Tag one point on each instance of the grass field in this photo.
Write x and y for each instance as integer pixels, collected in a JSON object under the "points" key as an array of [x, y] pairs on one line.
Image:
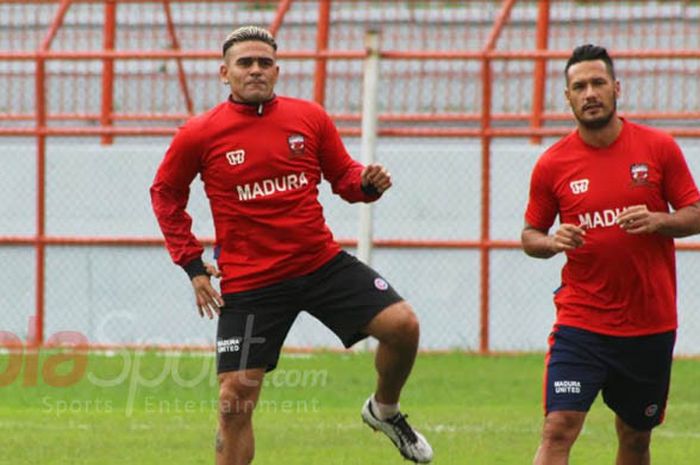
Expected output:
{"points": [[148, 408]]}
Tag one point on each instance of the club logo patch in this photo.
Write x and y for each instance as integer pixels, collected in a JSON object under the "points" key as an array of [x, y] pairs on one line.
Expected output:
{"points": [[235, 157], [651, 410], [579, 186], [296, 144], [639, 173], [380, 284]]}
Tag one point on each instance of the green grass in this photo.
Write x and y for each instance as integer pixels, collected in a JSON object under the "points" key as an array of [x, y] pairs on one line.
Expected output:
{"points": [[161, 410]]}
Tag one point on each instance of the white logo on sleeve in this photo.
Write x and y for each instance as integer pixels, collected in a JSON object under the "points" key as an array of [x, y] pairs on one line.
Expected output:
{"points": [[579, 186], [380, 284]]}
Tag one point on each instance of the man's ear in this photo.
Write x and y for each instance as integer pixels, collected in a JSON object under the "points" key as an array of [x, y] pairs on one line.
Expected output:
{"points": [[223, 73]]}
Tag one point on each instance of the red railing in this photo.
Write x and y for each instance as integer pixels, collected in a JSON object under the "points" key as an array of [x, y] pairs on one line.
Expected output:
{"points": [[321, 56]]}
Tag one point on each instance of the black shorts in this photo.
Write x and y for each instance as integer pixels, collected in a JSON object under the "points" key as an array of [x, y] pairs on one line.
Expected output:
{"points": [[344, 294], [632, 372]]}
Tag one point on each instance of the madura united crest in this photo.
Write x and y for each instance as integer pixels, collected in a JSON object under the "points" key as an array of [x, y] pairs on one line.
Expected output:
{"points": [[296, 144]]}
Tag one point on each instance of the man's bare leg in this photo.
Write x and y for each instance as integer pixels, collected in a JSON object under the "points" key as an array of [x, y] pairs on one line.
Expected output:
{"points": [[397, 330], [633, 445], [238, 395], [561, 428]]}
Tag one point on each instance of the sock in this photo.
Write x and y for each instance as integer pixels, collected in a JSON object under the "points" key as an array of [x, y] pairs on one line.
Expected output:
{"points": [[384, 411]]}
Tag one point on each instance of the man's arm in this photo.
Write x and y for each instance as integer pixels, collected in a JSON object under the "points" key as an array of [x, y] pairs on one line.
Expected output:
{"points": [[348, 178], [539, 244], [169, 197], [681, 223]]}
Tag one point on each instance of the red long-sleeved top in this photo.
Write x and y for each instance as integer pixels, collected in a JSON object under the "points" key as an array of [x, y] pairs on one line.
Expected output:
{"points": [[261, 166]]}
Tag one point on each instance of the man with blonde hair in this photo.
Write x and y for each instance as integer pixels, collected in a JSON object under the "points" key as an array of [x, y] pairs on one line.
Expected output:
{"points": [[261, 158]]}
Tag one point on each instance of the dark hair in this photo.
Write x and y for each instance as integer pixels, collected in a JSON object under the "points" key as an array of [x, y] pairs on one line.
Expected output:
{"points": [[248, 33], [589, 52]]}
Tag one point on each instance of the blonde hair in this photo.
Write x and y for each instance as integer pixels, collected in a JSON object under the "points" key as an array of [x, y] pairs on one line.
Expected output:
{"points": [[248, 33]]}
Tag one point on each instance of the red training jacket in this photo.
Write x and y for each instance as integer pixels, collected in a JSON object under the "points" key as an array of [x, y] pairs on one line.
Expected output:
{"points": [[261, 166]]}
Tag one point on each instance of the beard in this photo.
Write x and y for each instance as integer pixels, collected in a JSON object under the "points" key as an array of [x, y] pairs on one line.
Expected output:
{"points": [[601, 121]]}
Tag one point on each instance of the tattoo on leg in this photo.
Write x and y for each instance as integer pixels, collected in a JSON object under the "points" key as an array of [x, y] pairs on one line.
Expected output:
{"points": [[219, 443]]}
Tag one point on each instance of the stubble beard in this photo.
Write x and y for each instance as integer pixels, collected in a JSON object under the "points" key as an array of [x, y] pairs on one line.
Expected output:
{"points": [[598, 123]]}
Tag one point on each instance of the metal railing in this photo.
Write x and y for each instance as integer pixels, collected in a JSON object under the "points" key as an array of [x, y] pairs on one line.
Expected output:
{"points": [[485, 125]]}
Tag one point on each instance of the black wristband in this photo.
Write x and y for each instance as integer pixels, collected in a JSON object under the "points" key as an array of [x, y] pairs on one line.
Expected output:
{"points": [[195, 268], [369, 190]]}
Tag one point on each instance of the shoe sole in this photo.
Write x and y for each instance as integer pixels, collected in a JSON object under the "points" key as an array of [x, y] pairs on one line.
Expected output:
{"points": [[376, 430]]}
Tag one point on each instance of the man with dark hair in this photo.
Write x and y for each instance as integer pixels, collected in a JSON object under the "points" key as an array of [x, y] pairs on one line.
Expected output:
{"points": [[261, 158], [589, 52], [610, 182]]}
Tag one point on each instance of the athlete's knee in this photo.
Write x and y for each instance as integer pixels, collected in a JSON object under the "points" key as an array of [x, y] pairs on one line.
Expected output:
{"points": [[396, 325], [561, 430], [238, 396], [638, 443], [406, 324], [633, 440], [403, 328]]}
